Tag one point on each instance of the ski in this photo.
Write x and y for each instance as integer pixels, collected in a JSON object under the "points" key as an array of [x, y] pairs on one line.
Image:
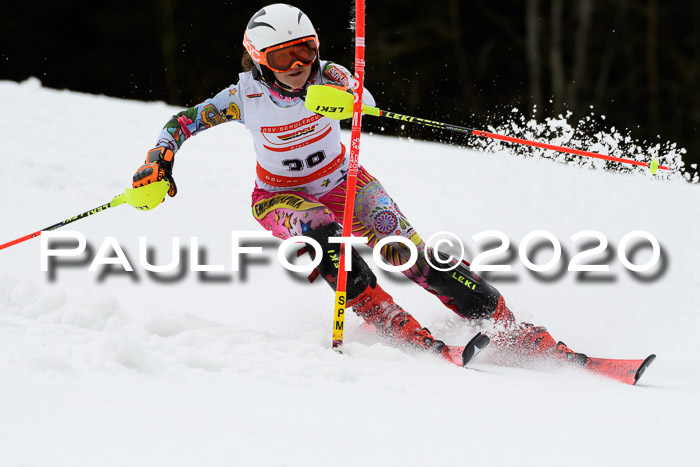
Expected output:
{"points": [[462, 355], [627, 371]]}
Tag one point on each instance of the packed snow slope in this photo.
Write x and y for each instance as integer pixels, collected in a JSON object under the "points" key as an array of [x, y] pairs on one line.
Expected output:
{"points": [[115, 368]]}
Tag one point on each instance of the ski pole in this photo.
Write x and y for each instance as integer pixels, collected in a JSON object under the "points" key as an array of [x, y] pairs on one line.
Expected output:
{"points": [[349, 209], [337, 104], [143, 198]]}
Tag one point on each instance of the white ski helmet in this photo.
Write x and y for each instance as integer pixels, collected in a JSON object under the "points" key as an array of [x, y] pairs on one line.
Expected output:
{"points": [[276, 38]]}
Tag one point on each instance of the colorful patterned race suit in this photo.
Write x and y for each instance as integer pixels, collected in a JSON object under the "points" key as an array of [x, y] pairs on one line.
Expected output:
{"points": [[300, 187]]}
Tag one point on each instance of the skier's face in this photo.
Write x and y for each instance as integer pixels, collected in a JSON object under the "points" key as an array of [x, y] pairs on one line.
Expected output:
{"points": [[294, 78]]}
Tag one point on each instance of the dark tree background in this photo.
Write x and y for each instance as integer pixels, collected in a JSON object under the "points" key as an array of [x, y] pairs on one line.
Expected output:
{"points": [[459, 61]]}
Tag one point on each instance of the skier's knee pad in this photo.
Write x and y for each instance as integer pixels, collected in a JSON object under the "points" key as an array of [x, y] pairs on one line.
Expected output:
{"points": [[464, 292], [361, 275]]}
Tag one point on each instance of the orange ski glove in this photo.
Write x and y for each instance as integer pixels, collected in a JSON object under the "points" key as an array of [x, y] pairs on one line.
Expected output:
{"points": [[158, 166]]}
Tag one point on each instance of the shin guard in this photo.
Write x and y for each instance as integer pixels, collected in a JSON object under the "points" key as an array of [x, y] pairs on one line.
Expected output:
{"points": [[464, 292], [361, 275]]}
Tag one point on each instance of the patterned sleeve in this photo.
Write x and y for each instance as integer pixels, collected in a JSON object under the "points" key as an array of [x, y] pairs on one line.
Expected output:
{"points": [[339, 75], [224, 107]]}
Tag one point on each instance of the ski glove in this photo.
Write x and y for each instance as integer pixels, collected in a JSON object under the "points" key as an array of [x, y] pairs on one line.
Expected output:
{"points": [[158, 166]]}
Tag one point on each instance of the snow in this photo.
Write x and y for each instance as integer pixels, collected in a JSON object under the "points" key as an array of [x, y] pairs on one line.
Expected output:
{"points": [[112, 368]]}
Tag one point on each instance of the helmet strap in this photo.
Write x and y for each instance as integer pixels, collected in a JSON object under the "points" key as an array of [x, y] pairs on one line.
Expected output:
{"points": [[267, 78]]}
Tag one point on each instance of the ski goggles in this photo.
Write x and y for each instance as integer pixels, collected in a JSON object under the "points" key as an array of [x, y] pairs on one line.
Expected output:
{"points": [[283, 57]]}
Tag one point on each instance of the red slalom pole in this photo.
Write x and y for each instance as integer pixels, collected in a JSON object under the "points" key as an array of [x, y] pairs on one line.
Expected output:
{"points": [[56, 226], [552, 147], [348, 213], [460, 129], [335, 103], [144, 198]]}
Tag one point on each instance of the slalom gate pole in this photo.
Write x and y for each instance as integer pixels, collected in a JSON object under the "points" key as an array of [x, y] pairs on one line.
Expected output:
{"points": [[143, 198], [348, 213], [335, 103]]}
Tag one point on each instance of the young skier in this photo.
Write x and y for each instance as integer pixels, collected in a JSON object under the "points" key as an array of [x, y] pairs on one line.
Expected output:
{"points": [[301, 182]]}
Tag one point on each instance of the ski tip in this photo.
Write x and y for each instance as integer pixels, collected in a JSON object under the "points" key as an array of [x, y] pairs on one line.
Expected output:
{"points": [[642, 368], [474, 346]]}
